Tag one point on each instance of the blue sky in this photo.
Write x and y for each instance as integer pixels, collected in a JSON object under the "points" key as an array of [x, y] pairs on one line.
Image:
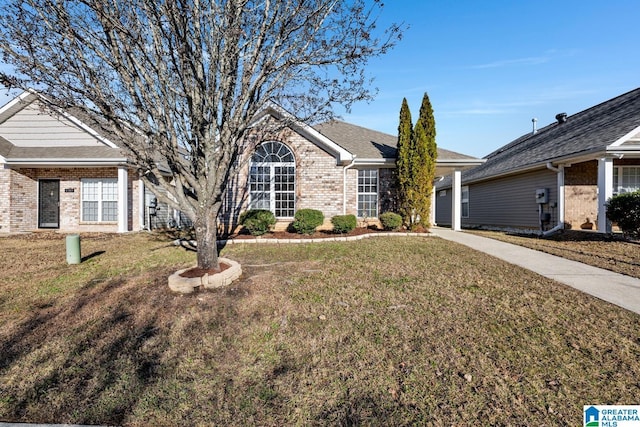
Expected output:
{"points": [[489, 67]]}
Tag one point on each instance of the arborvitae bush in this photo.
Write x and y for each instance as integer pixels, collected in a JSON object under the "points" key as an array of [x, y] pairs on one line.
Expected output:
{"points": [[307, 220], [258, 221], [390, 221], [624, 209], [344, 223]]}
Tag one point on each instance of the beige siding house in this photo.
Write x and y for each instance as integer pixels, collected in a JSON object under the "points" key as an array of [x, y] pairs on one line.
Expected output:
{"points": [[557, 177], [58, 173]]}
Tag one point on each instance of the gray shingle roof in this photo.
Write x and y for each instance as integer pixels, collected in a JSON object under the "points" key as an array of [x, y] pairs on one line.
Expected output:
{"points": [[586, 132], [370, 144]]}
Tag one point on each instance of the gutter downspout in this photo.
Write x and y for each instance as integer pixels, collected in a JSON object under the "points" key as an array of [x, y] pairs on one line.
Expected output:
{"points": [[560, 226], [344, 184]]}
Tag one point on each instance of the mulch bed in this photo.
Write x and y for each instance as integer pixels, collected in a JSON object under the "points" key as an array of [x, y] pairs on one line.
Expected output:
{"points": [[199, 272], [322, 234]]}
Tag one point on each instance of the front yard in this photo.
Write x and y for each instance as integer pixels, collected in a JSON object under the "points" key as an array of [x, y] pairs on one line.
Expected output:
{"points": [[383, 331]]}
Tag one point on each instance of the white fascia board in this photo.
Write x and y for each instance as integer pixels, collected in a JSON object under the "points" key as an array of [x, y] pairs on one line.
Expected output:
{"points": [[20, 98], [65, 162], [459, 162], [624, 138], [623, 149], [375, 162]]}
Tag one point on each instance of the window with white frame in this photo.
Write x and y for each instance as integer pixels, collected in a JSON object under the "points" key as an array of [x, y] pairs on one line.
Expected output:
{"points": [[464, 201], [626, 179], [367, 193], [99, 199], [272, 179]]}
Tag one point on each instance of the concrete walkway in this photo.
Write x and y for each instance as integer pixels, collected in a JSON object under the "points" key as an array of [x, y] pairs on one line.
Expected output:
{"points": [[615, 288]]}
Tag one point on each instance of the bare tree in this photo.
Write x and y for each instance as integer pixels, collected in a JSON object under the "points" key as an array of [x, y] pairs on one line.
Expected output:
{"points": [[178, 81]]}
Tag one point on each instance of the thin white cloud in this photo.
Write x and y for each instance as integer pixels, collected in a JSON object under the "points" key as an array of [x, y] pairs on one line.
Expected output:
{"points": [[533, 60]]}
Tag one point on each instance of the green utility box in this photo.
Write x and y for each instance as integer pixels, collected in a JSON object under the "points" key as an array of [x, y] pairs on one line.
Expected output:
{"points": [[73, 249]]}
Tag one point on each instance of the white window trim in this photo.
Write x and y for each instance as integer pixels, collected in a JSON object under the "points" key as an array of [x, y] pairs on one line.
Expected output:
{"points": [[100, 200], [358, 193], [464, 190], [272, 190]]}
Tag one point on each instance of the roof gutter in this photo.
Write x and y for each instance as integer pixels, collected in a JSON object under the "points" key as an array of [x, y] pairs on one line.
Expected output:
{"points": [[344, 184], [65, 162]]}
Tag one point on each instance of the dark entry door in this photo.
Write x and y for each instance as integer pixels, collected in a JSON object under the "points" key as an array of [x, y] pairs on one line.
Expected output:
{"points": [[49, 203]]}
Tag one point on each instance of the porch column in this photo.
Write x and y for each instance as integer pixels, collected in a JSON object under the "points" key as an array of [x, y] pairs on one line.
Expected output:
{"points": [[432, 219], [123, 201], [605, 191], [142, 213], [456, 200], [561, 195]]}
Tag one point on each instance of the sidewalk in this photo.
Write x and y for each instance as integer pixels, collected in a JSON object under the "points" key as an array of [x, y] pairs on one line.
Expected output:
{"points": [[615, 288]]}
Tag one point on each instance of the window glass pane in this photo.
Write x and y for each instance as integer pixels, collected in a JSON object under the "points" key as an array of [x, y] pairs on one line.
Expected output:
{"points": [[90, 189], [99, 199], [367, 193], [89, 211], [272, 179], [109, 211], [630, 180], [464, 202]]}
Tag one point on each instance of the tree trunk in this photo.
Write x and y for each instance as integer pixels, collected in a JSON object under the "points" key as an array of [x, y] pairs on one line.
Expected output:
{"points": [[206, 226]]}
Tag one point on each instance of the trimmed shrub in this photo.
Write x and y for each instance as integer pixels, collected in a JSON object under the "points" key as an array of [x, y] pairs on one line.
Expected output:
{"points": [[257, 221], [307, 220], [344, 223], [624, 209], [390, 221]]}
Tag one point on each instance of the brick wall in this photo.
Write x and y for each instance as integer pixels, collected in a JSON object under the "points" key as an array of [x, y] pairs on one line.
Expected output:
{"points": [[319, 183], [581, 194], [319, 180], [23, 198]]}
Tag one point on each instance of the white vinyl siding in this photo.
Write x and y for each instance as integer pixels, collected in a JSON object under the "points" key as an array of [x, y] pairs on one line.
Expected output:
{"points": [[99, 200]]}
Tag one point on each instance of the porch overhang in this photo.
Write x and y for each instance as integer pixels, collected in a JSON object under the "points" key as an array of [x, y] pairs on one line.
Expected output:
{"points": [[63, 163]]}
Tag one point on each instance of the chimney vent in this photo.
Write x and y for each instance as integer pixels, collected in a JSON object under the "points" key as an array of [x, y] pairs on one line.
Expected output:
{"points": [[534, 121], [561, 118]]}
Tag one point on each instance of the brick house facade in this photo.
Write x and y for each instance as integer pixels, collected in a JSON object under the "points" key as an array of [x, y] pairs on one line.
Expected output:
{"points": [[58, 173]]}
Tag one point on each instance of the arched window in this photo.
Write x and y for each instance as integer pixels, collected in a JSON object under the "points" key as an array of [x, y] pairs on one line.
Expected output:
{"points": [[272, 179]]}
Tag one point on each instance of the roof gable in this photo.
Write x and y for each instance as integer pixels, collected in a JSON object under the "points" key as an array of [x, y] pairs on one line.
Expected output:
{"points": [[32, 122], [35, 132], [342, 155]]}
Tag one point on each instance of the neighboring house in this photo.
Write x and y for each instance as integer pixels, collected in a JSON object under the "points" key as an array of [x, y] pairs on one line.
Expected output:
{"points": [[56, 172], [560, 176]]}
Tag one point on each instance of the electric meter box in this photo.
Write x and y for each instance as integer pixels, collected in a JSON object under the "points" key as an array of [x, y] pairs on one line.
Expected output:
{"points": [[542, 195]]}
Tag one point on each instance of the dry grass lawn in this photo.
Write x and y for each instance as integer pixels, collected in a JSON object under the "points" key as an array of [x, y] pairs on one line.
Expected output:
{"points": [[386, 331], [600, 250]]}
